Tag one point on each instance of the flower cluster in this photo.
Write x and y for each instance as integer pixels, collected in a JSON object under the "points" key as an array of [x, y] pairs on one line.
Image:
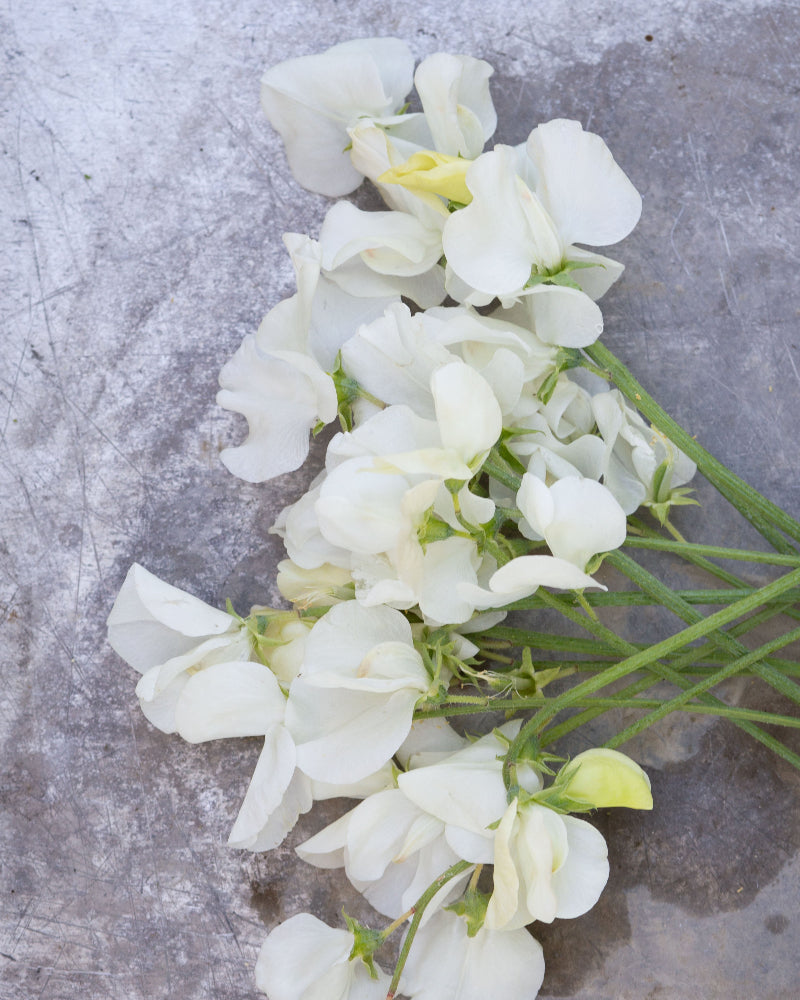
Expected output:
{"points": [[479, 459]]}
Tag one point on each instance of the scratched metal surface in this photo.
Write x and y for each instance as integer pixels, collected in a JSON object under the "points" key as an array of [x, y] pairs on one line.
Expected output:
{"points": [[144, 199]]}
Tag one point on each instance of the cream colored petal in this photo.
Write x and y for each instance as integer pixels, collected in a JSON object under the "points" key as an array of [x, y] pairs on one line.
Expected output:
{"points": [[227, 700], [584, 190]]}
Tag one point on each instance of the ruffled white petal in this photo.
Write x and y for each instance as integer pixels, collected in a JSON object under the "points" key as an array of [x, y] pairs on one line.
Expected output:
{"points": [[454, 91], [583, 188], [227, 700], [312, 100]]}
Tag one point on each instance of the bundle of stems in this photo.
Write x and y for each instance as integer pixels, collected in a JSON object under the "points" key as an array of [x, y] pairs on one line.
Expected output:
{"points": [[705, 651]]}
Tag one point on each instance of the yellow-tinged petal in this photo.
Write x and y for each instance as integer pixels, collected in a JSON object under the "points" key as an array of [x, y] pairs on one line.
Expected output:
{"points": [[435, 173], [605, 778]]}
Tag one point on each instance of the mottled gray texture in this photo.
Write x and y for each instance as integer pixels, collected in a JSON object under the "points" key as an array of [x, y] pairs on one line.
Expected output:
{"points": [[144, 200]]}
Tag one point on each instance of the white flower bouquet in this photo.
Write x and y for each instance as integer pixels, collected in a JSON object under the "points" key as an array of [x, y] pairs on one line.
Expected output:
{"points": [[490, 451]]}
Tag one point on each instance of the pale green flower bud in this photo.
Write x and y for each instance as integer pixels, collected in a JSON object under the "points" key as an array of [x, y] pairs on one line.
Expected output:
{"points": [[603, 778]]}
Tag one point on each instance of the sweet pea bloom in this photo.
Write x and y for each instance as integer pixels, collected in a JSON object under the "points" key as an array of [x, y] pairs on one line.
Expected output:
{"points": [[279, 378], [545, 866], [352, 704], [578, 518], [530, 206], [446, 964], [305, 959], [312, 101]]}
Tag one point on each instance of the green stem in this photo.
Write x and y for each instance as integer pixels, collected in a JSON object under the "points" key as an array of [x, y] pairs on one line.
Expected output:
{"points": [[634, 598], [682, 663], [642, 578], [762, 513], [495, 467], [450, 709], [419, 908], [648, 658], [681, 700], [713, 551]]}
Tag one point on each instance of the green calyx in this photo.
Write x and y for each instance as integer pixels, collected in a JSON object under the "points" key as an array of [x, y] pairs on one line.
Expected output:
{"points": [[366, 942], [472, 907]]}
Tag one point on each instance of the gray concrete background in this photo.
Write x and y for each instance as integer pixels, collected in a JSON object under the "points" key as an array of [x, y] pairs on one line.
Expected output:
{"points": [[144, 197]]}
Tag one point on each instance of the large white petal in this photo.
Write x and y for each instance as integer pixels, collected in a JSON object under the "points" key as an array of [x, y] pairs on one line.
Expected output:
{"points": [[379, 781], [342, 736], [275, 798], [359, 506], [536, 504], [281, 403], [312, 100], [393, 243], [522, 576], [583, 188], [326, 849], [444, 568], [505, 894], [227, 700], [347, 633], [493, 242], [563, 316], [454, 91], [378, 831], [584, 873], [586, 520], [467, 412], [152, 621], [446, 964]]}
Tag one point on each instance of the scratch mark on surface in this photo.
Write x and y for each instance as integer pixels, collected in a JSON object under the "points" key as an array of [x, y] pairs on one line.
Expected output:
{"points": [[161, 914], [791, 361], [724, 236], [730, 296], [14, 383], [672, 241]]}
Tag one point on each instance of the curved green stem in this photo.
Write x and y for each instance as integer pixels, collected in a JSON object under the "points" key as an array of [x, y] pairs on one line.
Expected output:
{"points": [[419, 908], [762, 513], [649, 658]]}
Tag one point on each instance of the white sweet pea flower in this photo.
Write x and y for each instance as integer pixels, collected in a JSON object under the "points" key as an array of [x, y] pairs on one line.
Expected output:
{"points": [[201, 679], [391, 851], [168, 636], [566, 417], [360, 505], [313, 100], [578, 518], [395, 843], [305, 959], [394, 357], [513, 228], [506, 354], [278, 379], [454, 92], [522, 577], [418, 570], [465, 792], [152, 622], [545, 866], [352, 705], [640, 464], [444, 963], [383, 253]]}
